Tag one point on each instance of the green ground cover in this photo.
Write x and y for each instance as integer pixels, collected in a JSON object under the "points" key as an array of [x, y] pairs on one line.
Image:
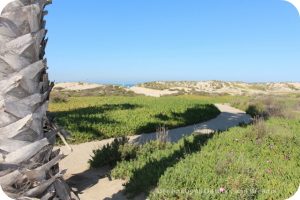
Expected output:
{"points": [[91, 118], [256, 162], [260, 161]]}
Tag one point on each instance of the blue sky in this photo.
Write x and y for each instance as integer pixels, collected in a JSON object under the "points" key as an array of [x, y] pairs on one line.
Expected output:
{"points": [[127, 41]]}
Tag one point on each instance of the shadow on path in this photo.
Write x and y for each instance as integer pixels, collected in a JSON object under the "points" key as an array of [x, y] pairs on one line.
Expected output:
{"points": [[223, 122], [87, 179]]}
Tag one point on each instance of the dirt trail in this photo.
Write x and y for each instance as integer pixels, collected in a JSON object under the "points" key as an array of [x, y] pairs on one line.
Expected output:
{"points": [[94, 185]]}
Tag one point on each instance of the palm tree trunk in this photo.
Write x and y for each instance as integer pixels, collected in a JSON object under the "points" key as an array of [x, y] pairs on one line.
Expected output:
{"points": [[28, 163]]}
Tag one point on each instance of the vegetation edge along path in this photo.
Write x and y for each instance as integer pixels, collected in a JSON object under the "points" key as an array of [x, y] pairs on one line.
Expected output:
{"points": [[77, 161]]}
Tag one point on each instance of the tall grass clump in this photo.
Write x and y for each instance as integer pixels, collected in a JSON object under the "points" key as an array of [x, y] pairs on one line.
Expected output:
{"points": [[162, 134]]}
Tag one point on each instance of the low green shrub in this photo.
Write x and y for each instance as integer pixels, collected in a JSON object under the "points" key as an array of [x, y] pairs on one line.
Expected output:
{"points": [[255, 111], [112, 153]]}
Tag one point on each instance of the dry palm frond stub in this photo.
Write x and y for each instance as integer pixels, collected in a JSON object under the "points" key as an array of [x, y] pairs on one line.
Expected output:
{"points": [[28, 164]]}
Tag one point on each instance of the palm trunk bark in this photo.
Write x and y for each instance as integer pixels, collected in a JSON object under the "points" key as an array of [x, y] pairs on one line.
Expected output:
{"points": [[28, 163]]}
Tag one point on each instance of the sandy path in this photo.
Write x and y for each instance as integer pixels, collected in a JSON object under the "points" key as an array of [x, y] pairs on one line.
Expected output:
{"points": [[93, 185]]}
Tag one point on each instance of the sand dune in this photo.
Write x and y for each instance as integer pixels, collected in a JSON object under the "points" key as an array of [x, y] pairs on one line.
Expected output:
{"points": [[151, 92], [220, 87], [158, 89], [76, 86]]}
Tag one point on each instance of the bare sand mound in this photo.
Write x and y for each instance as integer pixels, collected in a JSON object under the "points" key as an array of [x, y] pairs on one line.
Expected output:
{"points": [[222, 87], [151, 92], [72, 86]]}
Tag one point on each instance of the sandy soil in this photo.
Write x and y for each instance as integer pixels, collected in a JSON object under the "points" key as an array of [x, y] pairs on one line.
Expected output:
{"points": [[76, 86], [94, 185], [151, 92]]}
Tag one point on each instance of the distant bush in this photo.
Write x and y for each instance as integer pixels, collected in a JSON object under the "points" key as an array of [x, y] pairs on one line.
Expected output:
{"points": [[156, 85], [105, 90], [255, 111], [258, 86], [267, 107], [292, 87], [58, 98]]}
